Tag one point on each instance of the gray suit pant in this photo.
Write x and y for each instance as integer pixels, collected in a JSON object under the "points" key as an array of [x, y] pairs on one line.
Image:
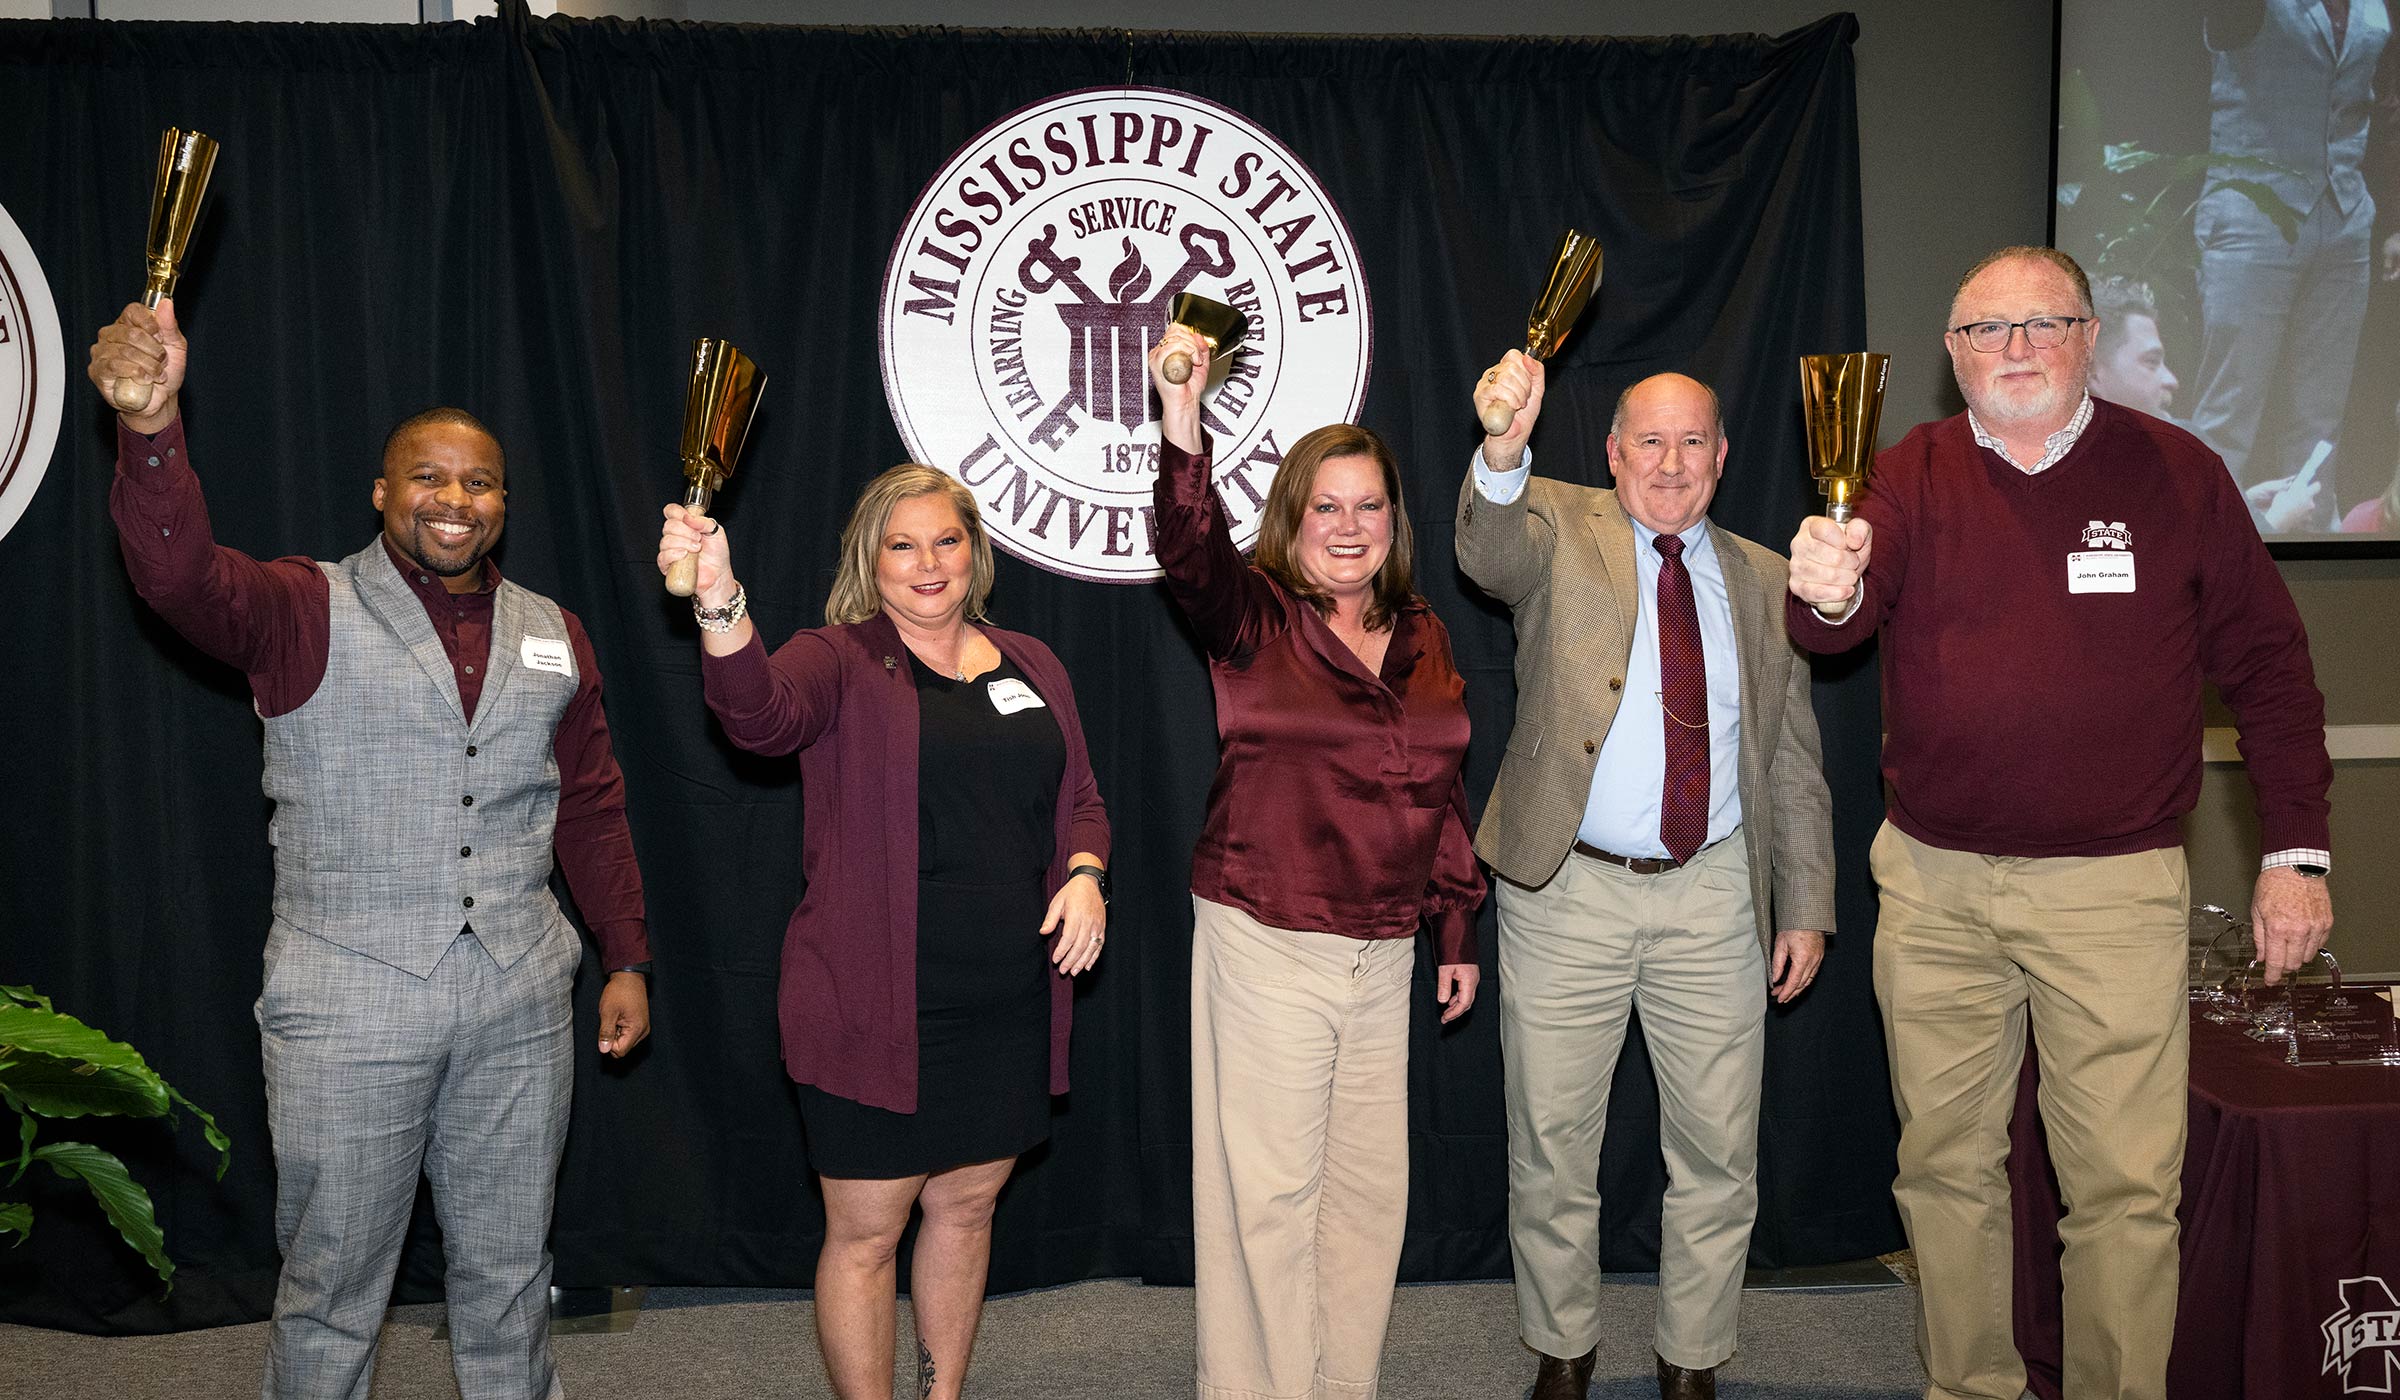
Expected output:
{"points": [[374, 1074], [1577, 956], [2282, 321]]}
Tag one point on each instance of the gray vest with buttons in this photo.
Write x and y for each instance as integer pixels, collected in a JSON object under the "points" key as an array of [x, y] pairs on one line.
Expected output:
{"points": [[2288, 97], [397, 822]]}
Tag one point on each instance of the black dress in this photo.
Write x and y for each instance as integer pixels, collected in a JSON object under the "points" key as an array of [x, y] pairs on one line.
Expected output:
{"points": [[987, 804]]}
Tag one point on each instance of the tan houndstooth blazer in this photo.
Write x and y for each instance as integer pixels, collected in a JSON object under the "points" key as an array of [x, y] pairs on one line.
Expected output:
{"points": [[1561, 557]]}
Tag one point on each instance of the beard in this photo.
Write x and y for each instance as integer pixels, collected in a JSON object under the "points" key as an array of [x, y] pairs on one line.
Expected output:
{"points": [[1995, 404], [422, 545]]}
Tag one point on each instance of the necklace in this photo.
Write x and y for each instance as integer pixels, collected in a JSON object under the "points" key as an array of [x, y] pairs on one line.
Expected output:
{"points": [[954, 669]]}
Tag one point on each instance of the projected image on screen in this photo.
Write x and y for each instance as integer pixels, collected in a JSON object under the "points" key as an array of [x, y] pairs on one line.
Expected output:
{"points": [[2229, 175]]}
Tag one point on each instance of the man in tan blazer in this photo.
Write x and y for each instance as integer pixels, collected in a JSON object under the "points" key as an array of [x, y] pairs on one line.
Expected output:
{"points": [[1661, 830]]}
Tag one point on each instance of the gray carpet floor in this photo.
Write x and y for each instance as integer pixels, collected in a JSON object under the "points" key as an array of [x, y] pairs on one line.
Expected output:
{"points": [[1107, 1338]]}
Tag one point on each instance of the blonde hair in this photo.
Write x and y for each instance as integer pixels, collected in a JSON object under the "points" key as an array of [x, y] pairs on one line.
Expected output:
{"points": [[1287, 500], [855, 598]]}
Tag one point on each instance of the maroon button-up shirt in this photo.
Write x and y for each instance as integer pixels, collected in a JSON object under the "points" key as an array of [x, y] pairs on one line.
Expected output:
{"points": [[274, 620], [1338, 805]]}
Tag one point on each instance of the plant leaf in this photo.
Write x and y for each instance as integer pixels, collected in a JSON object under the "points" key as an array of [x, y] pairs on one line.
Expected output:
{"points": [[2120, 159], [57, 1088], [56, 1033], [24, 1135], [16, 1217], [121, 1198], [57, 1066], [208, 1128]]}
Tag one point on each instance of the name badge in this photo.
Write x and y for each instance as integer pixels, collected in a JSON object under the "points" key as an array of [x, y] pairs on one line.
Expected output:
{"points": [[1010, 696], [547, 654], [2099, 571]]}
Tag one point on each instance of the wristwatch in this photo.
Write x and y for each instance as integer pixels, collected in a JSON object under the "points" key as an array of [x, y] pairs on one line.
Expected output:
{"points": [[2313, 872], [1099, 877]]}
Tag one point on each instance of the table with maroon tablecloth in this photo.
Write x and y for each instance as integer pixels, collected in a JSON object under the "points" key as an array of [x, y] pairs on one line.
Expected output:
{"points": [[2291, 1187]]}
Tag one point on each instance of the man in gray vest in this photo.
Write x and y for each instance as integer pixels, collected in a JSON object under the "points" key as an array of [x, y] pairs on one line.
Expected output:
{"points": [[2292, 83], [434, 741]]}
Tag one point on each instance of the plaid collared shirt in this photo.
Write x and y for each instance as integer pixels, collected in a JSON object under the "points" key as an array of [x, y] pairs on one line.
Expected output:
{"points": [[2053, 447]]}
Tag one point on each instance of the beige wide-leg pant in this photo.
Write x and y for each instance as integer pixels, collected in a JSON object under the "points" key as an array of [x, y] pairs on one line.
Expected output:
{"points": [[2092, 950], [1576, 956], [1299, 1154]]}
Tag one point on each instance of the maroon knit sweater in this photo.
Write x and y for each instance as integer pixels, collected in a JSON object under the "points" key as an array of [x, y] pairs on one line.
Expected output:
{"points": [[2025, 719]]}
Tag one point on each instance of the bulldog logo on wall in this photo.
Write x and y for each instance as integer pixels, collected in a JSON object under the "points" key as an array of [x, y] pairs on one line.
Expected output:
{"points": [[33, 377], [1033, 276]]}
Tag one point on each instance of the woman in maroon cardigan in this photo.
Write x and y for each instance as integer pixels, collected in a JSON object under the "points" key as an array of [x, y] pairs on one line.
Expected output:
{"points": [[1336, 831], [951, 826]]}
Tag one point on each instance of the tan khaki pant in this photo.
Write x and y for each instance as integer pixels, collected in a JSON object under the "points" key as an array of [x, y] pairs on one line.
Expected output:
{"points": [[1576, 956], [1299, 1155], [2093, 949]]}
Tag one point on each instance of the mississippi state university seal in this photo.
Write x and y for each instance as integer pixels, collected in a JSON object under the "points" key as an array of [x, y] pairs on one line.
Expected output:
{"points": [[33, 379], [1034, 275]]}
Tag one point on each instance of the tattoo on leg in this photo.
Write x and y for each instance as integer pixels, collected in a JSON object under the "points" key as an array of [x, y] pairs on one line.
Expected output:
{"points": [[924, 1370]]}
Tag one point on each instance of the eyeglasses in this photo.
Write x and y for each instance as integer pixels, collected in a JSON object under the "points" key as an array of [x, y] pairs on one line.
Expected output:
{"points": [[2042, 332]]}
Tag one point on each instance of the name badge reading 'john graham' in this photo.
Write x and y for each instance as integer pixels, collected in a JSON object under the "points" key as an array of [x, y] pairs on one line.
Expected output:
{"points": [[2105, 563], [2099, 571]]}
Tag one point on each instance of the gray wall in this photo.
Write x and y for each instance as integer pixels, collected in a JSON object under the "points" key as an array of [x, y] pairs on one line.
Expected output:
{"points": [[2352, 610]]}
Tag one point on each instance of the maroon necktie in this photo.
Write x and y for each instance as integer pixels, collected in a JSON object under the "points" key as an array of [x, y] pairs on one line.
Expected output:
{"points": [[1683, 694]]}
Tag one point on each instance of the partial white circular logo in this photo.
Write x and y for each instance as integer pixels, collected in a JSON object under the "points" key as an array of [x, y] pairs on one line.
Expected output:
{"points": [[33, 374], [1035, 273]]}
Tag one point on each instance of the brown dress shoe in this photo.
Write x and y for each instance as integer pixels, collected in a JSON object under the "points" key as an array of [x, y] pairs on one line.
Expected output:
{"points": [[1563, 1380], [1678, 1383]]}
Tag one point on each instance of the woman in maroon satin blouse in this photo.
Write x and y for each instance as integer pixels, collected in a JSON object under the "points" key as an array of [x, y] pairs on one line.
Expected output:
{"points": [[1337, 828]]}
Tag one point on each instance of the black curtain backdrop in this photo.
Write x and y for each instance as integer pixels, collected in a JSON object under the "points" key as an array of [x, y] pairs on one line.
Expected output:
{"points": [[532, 219]]}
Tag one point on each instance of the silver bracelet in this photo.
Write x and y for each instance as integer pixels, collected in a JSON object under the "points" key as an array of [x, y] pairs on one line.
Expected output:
{"points": [[722, 619]]}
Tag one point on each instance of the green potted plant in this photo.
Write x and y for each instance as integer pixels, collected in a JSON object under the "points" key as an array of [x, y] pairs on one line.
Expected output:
{"points": [[54, 1066]]}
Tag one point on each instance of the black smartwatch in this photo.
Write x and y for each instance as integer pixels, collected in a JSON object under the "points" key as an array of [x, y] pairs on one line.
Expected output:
{"points": [[2313, 872], [1099, 877]]}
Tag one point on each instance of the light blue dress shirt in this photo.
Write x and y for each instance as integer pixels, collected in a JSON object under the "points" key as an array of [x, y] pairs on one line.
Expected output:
{"points": [[1621, 814]]}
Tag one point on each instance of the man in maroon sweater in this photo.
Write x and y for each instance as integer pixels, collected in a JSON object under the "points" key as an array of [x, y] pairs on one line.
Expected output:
{"points": [[2053, 578]]}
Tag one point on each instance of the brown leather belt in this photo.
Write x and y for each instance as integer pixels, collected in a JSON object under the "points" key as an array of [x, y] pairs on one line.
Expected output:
{"points": [[1639, 865]]}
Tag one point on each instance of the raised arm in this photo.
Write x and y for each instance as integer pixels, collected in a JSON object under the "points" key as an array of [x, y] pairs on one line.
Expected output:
{"points": [[267, 618], [771, 705], [1230, 605], [1846, 577], [1502, 544]]}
